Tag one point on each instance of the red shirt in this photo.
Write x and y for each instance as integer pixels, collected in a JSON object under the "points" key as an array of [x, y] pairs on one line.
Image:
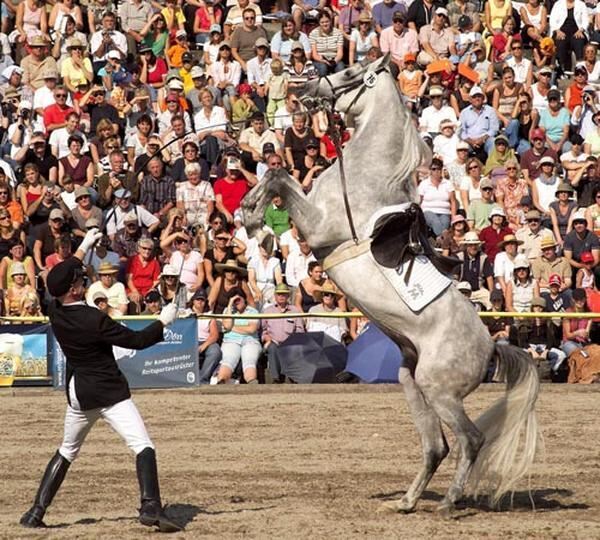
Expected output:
{"points": [[231, 192], [492, 238], [143, 277], [56, 115]]}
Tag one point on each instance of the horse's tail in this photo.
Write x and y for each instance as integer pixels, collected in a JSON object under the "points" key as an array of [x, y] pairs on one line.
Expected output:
{"points": [[510, 427]]}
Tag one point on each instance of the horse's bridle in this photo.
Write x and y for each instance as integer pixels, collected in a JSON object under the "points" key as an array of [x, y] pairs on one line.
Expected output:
{"points": [[368, 81]]}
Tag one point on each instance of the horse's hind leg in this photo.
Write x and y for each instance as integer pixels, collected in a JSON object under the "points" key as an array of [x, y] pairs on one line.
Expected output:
{"points": [[470, 440], [433, 441]]}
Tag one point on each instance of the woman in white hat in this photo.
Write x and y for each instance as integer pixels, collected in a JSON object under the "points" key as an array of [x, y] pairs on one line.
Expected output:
{"points": [[504, 261], [170, 287], [189, 261], [16, 291], [522, 288], [328, 296]]}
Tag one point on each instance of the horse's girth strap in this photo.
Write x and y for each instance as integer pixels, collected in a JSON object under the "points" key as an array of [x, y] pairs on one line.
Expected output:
{"points": [[346, 251]]}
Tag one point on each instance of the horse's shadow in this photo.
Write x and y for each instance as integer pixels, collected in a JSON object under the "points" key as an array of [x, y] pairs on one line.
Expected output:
{"points": [[540, 500]]}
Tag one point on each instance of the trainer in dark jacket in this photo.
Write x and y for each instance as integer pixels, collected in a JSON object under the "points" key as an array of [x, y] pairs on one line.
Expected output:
{"points": [[96, 388]]}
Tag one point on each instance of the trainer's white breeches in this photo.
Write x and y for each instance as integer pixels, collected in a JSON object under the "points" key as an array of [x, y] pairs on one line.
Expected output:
{"points": [[123, 417]]}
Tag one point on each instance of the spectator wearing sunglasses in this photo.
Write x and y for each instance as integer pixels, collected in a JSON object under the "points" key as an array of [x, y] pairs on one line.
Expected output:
{"points": [[55, 116]]}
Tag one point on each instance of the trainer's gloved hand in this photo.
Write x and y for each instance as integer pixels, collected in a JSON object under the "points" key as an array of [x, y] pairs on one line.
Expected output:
{"points": [[168, 314], [90, 238]]}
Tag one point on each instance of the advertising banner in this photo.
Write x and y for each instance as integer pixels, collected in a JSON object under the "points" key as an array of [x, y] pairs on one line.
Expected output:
{"points": [[24, 353], [172, 363]]}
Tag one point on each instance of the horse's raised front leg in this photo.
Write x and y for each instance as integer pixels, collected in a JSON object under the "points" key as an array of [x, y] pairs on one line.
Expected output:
{"points": [[278, 182], [433, 441], [470, 440]]}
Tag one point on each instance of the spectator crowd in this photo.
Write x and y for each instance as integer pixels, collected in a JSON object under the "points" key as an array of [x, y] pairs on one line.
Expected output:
{"points": [[153, 119]]}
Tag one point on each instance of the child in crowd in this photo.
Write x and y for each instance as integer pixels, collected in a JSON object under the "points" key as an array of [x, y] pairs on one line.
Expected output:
{"points": [[244, 107], [585, 275], [410, 80], [466, 39], [176, 51], [277, 87]]}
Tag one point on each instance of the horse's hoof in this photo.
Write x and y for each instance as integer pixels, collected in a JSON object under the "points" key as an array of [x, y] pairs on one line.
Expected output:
{"points": [[395, 507], [446, 510]]}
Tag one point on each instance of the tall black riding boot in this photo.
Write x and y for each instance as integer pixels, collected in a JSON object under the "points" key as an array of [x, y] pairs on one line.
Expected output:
{"points": [[53, 478], [151, 512]]}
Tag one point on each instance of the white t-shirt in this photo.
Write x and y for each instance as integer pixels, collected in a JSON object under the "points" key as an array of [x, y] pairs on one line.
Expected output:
{"points": [[436, 200], [59, 138], [431, 118], [189, 270], [115, 219], [445, 147], [467, 185]]}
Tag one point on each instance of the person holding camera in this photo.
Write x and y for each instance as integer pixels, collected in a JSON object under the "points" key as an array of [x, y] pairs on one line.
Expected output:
{"points": [[117, 178], [582, 119], [195, 196], [105, 40], [20, 132], [240, 340], [231, 189]]}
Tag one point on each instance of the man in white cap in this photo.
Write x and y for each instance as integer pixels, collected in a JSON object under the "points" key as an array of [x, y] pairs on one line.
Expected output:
{"points": [[115, 216], [436, 38], [478, 214], [432, 116], [258, 69], [479, 123]]}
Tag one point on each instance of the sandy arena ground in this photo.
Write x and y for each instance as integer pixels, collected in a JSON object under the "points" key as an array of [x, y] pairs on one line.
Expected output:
{"points": [[290, 462]]}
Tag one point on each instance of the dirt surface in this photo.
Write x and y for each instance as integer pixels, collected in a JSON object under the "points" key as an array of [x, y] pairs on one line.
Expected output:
{"points": [[290, 462]]}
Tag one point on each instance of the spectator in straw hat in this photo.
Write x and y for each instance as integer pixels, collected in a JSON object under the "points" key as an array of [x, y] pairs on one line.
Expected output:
{"points": [[532, 235], [114, 290], [549, 264], [504, 261], [494, 233], [276, 331], [476, 268], [446, 142], [328, 296], [17, 290], [432, 116], [362, 38], [561, 210], [36, 63]]}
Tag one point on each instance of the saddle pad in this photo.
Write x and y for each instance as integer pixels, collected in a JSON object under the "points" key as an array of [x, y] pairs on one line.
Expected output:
{"points": [[426, 283]]}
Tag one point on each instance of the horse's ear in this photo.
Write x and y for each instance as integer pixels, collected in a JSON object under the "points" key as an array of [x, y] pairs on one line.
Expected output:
{"points": [[385, 61]]}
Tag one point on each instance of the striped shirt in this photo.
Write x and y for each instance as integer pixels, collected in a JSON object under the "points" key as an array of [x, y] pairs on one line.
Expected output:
{"points": [[308, 72], [326, 44], [156, 194]]}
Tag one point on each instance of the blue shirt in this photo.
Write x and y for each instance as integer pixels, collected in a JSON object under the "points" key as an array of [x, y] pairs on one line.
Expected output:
{"points": [[235, 337], [383, 13], [554, 124], [476, 124]]}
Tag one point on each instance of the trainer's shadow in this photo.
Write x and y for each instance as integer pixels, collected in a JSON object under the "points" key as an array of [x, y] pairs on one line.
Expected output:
{"points": [[183, 513]]}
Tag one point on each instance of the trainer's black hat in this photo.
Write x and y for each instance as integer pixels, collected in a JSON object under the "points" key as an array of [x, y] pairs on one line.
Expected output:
{"points": [[63, 275]]}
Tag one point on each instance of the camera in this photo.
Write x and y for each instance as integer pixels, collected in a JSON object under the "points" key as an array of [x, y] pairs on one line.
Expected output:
{"points": [[25, 114], [233, 163], [195, 229]]}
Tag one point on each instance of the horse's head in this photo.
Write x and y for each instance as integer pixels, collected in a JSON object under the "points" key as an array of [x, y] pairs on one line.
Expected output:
{"points": [[256, 201], [344, 89]]}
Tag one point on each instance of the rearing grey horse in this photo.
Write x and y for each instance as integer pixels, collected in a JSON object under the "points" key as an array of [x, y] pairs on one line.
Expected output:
{"points": [[446, 347]]}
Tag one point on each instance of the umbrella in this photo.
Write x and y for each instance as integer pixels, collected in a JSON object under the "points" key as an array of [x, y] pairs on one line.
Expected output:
{"points": [[373, 357], [311, 357]]}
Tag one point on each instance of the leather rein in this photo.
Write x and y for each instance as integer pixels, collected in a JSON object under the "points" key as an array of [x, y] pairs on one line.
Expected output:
{"points": [[369, 80]]}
